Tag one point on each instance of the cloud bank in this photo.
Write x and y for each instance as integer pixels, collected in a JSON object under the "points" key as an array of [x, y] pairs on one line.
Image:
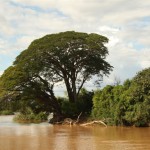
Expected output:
{"points": [[126, 24]]}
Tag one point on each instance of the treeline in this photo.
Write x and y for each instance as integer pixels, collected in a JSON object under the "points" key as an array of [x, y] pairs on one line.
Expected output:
{"points": [[33, 110], [121, 105], [127, 104], [72, 58]]}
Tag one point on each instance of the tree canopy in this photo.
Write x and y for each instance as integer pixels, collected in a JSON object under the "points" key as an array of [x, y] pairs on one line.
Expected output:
{"points": [[69, 57]]}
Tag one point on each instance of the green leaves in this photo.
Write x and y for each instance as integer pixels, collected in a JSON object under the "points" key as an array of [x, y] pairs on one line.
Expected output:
{"points": [[69, 57], [127, 104], [12, 78]]}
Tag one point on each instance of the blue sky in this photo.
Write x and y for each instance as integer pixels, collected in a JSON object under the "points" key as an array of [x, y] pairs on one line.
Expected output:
{"points": [[126, 24]]}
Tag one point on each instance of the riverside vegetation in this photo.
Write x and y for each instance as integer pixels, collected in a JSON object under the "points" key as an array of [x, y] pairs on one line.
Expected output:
{"points": [[72, 58], [127, 104]]}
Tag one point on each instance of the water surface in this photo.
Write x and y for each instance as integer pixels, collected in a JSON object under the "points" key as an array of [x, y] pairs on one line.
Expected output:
{"points": [[44, 136]]}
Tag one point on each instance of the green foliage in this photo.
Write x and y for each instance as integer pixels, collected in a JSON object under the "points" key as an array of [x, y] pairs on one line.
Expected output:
{"points": [[71, 57], [29, 116], [104, 103], [69, 109], [6, 112], [83, 104], [127, 104], [138, 112]]}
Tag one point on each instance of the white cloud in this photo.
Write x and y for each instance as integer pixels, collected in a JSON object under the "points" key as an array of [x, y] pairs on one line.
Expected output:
{"points": [[126, 61], [4, 48], [112, 41], [125, 23], [108, 29], [144, 58], [24, 41], [1, 72], [145, 64]]}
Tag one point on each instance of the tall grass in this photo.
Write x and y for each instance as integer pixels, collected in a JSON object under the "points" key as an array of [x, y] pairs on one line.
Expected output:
{"points": [[30, 117]]}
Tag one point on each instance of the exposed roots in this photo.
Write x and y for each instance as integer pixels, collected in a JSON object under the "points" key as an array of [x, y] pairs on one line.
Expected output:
{"points": [[69, 121], [72, 122]]}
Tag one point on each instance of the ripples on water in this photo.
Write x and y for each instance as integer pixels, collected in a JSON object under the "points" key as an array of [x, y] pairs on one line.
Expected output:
{"points": [[44, 136]]}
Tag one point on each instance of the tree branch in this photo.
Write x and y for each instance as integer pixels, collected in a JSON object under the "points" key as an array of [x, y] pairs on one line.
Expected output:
{"points": [[83, 81]]}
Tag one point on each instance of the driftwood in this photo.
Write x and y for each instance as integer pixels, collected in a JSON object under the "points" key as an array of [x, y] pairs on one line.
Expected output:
{"points": [[94, 122], [68, 121], [77, 121], [71, 121]]}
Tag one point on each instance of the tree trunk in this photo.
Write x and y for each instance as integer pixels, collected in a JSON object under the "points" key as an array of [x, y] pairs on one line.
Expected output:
{"points": [[52, 100], [69, 90], [74, 92]]}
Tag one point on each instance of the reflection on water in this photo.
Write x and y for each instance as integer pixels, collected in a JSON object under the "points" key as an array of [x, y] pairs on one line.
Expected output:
{"points": [[47, 137]]}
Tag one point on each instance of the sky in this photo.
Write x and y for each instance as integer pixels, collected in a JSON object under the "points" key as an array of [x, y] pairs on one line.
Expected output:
{"points": [[125, 22]]}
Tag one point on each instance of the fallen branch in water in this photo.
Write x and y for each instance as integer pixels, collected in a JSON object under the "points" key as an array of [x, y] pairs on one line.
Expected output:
{"points": [[71, 121], [93, 122], [78, 118], [68, 121]]}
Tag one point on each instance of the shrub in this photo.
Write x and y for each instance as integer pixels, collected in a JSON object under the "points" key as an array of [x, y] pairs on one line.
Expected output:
{"points": [[6, 112], [127, 104], [83, 104], [30, 117]]}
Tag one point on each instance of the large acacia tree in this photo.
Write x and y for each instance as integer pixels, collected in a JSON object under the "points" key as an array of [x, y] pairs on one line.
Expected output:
{"points": [[69, 57]]}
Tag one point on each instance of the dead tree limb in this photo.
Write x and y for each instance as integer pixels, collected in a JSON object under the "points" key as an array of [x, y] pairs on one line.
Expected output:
{"points": [[93, 122], [68, 121], [78, 118]]}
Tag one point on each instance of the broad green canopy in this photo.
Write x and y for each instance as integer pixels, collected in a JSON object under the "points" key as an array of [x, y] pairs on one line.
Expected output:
{"points": [[70, 57]]}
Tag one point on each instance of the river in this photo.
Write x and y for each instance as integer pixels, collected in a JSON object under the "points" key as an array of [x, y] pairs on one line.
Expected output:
{"points": [[44, 136]]}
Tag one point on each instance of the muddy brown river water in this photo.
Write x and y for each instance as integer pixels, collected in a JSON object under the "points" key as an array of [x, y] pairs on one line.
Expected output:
{"points": [[48, 137]]}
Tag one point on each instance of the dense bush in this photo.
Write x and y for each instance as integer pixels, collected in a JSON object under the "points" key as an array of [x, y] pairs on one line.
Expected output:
{"points": [[106, 104], [127, 104], [138, 111], [6, 112], [30, 117], [83, 104]]}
